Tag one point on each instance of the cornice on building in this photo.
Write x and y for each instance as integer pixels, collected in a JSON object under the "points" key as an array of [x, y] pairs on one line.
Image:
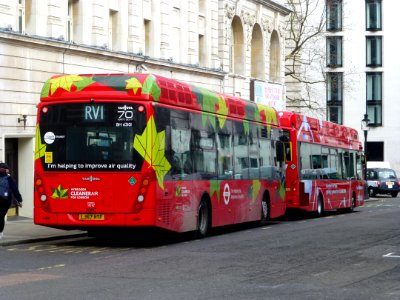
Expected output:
{"points": [[274, 6], [87, 50]]}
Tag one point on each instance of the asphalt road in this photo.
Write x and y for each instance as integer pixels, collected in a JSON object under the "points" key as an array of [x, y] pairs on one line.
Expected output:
{"points": [[339, 256]]}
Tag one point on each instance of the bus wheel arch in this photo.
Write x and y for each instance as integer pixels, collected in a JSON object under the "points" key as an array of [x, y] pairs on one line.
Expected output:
{"points": [[265, 208], [204, 216]]}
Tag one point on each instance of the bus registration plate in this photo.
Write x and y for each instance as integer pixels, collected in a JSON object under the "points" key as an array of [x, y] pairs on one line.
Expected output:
{"points": [[91, 217]]}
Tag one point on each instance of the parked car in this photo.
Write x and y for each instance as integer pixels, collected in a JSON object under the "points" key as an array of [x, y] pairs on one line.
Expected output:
{"points": [[382, 181]]}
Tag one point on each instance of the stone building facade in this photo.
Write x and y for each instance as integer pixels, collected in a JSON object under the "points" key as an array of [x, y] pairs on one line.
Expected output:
{"points": [[220, 45]]}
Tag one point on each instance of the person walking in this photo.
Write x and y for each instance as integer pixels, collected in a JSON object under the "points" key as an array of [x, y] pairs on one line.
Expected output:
{"points": [[8, 187]]}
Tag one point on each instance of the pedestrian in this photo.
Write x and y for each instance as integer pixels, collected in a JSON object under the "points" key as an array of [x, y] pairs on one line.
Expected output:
{"points": [[8, 187]]}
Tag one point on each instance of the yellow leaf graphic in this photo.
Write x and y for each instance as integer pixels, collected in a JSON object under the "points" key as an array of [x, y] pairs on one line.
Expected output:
{"points": [[222, 111], [133, 84], [151, 146], [64, 82], [40, 148]]}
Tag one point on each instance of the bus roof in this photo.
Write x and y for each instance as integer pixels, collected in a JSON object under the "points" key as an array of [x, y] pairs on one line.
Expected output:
{"points": [[314, 130], [151, 87]]}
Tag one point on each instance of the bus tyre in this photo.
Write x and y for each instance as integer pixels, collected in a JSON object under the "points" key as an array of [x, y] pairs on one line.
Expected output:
{"points": [[394, 194], [353, 204], [203, 219], [264, 210], [320, 206]]}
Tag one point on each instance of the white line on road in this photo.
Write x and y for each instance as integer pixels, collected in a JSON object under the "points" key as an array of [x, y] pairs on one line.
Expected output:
{"points": [[391, 255]]}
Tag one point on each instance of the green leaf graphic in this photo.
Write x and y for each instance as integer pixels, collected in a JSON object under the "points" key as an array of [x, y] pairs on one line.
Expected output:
{"points": [[116, 82], [151, 146], [59, 193], [150, 87], [45, 89], [40, 148], [255, 189], [86, 81], [215, 188]]}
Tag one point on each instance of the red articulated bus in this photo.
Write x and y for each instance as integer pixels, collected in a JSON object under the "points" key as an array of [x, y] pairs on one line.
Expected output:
{"points": [[325, 170], [140, 150]]}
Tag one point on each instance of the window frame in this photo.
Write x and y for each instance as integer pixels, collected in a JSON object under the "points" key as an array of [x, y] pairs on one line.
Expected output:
{"points": [[369, 19], [373, 48], [374, 97], [334, 15], [334, 51]]}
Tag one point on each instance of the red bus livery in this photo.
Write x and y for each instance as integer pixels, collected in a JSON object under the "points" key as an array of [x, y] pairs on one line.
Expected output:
{"points": [[324, 171], [140, 150]]}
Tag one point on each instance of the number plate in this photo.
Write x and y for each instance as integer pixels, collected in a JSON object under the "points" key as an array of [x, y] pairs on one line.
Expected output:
{"points": [[91, 217], [389, 184]]}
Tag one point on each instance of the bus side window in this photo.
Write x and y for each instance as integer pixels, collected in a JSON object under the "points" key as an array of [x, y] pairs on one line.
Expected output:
{"points": [[280, 151]]}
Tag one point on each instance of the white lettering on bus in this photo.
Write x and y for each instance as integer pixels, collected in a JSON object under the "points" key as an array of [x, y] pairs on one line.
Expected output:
{"points": [[94, 113]]}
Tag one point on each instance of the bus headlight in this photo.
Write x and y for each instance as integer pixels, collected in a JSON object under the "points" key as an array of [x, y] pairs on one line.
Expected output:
{"points": [[140, 198]]}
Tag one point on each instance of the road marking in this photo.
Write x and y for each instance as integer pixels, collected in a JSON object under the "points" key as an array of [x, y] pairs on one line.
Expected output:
{"points": [[51, 267], [391, 255], [20, 278]]}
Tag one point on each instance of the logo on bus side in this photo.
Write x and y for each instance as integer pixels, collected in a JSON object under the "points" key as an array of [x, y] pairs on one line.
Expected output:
{"points": [[91, 178], [227, 194]]}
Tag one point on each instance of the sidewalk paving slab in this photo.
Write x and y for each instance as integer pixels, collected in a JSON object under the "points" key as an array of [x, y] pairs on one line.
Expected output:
{"points": [[21, 230]]}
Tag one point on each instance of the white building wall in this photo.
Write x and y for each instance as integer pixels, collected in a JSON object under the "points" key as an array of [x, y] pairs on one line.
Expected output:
{"points": [[30, 57], [354, 55]]}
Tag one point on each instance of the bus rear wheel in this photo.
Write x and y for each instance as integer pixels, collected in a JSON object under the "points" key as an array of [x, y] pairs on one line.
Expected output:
{"points": [[320, 206], [203, 219], [265, 210], [353, 204]]}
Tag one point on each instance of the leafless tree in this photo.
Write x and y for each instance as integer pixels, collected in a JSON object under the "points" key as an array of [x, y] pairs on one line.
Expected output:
{"points": [[305, 55]]}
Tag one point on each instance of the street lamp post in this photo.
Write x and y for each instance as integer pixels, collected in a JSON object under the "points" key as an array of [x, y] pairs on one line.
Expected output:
{"points": [[365, 128]]}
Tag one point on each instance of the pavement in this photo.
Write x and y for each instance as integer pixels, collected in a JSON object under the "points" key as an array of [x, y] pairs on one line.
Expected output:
{"points": [[21, 230]]}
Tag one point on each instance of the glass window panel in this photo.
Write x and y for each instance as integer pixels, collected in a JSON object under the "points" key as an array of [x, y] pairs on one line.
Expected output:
{"points": [[334, 86], [374, 86], [374, 112], [266, 156], [335, 114], [334, 14], [373, 15], [374, 50], [334, 51]]}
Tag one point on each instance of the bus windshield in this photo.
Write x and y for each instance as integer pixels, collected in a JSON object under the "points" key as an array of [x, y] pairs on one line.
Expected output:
{"points": [[91, 136]]}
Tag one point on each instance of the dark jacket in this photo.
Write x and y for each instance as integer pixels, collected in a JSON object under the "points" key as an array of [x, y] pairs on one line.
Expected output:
{"points": [[13, 188]]}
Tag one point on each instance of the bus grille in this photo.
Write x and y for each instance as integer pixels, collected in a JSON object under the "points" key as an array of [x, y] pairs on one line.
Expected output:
{"points": [[163, 212]]}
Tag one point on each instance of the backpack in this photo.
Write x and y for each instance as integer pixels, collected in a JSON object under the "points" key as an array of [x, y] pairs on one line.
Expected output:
{"points": [[4, 187]]}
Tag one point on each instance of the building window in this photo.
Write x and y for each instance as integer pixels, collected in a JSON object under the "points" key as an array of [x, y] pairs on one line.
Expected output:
{"points": [[237, 47], [148, 49], [176, 42], [21, 16], [333, 15], [375, 151], [374, 51], [334, 51], [374, 98], [334, 97], [202, 51], [73, 6], [373, 15], [113, 30]]}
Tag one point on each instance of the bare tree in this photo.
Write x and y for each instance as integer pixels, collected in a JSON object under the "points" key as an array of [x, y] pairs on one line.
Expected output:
{"points": [[305, 56]]}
